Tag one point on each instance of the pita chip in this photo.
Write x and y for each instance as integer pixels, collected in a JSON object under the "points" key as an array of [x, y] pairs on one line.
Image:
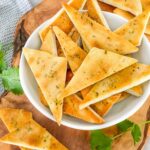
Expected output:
{"points": [[133, 31], [96, 35], [74, 54], [32, 136], [95, 12], [133, 6], [119, 82], [71, 107], [123, 96], [8, 116], [136, 91], [123, 13], [105, 62], [50, 74], [104, 106], [62, 20], [49, 43], [146, 5]]}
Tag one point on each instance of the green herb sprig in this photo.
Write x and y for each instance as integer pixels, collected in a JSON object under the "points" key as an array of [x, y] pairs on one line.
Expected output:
{"points": [[100, 141], [9, 76]]}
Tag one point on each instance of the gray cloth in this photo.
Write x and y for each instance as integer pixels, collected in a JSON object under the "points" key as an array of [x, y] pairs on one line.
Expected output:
{"points": [[10, 12]]}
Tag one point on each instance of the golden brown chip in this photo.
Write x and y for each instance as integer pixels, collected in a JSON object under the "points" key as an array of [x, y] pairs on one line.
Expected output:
{"points": [[50, 74], [134, 30], [121, 81], [32, 136]]}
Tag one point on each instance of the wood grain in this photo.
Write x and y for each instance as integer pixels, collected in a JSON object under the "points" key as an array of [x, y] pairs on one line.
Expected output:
{"points": [[73, 139]]}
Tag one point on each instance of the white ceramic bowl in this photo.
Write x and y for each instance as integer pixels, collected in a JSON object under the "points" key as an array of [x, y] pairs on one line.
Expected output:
{"points": [[119, 112]]}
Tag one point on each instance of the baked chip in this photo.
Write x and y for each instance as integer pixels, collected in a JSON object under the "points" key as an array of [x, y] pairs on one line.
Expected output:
{"points": [[50, 74], [134, 30], [119, 82]]}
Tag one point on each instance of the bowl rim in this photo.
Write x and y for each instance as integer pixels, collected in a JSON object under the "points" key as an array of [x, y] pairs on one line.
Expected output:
{"points": [[65, 123]]}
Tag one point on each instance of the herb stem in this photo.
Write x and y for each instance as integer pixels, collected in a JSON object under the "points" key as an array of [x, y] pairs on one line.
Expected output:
{"points": [[118, 135]]}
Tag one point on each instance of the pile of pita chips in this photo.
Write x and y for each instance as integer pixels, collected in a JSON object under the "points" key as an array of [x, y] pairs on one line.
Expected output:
{"points": [[105, 62], [62, 20], [25, 132], [92, 31], [97, 69]]}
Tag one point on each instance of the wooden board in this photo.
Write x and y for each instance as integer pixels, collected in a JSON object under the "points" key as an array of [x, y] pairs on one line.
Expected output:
{"points": [[73, 139]]}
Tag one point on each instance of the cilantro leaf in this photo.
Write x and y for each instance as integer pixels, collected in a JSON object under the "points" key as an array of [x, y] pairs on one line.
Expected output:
{"points": [[136, 133], [11, 81], [99, 141], [125, 125]]}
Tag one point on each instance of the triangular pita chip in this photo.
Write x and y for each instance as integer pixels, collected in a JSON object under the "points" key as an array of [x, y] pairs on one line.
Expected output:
{"points": [[123, 96], [49, 43], [106, 62], [136, 91], [33, 136], [123, 13], [104, 106], [62, 20], [133, 31], [74, 54], [14, 118], [95, 12], [71, 107], [96, 35], [133, 6], [121, 81], [50, 74], [146, 5]]}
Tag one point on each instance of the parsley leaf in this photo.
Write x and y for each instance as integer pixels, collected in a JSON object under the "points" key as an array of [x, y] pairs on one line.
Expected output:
{"points": [[99, 141], [11, 81], [125, 125], [136, 133]]}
